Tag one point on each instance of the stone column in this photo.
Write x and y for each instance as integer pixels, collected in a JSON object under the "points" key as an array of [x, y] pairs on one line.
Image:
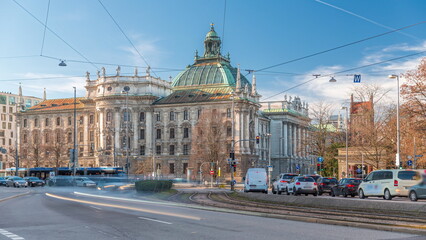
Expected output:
{"points": [[299, 140], [86, 134], [237, 127], [285, 139], [101, 125], [294, 142], [149, 147], [117, 120], [247, 132], [135, 129]]}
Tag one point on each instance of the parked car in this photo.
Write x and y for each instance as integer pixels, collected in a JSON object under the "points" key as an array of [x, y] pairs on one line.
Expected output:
{"points": [[280, 185], [2, 181], [60, 181], [346, 187], [84, 182], [299, 185], [34, 181], [418, 191], [256, 180], [388, 183], [16, 182], [314, 176], [325, 184]]}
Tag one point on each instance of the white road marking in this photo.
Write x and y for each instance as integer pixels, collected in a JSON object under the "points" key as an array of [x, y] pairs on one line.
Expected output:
{"points": [[154, 220], [10, 235], [96, 208]]}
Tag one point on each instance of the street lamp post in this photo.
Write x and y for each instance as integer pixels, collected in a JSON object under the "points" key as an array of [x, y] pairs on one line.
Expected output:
{"points": [[233, 140], [346, 140], [397, 160], [74, 156], [269, 159], [16, 143]]}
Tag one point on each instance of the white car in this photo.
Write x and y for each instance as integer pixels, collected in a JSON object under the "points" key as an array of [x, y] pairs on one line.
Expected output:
{"points": [[280, 185], [84, 182], [388, 183], [305, 185], [256, 180]]}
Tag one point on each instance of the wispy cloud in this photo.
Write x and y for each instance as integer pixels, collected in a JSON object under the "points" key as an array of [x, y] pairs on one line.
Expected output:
{"points": [[57, 85], [148, 48]]}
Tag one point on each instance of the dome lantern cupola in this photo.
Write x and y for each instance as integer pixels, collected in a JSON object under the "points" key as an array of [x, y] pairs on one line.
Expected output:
{"points": [[212, 43]]}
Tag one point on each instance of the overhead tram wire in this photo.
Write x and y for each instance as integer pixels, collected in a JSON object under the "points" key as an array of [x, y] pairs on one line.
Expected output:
{"points": [[341, 46], [223, 27], [116, 64], [128, 39], [45, 25], [54, 33], [347, 70]]}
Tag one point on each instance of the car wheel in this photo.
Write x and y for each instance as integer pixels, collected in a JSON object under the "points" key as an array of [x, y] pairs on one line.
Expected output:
{"points": [[332, 193], [287, 191], [265, 192], [352, 195], [84, 185], [294, 192], [345, 194], [413, 196], [273, 190], [319, 193], [315, 194], [361, 194], [387, 195]]}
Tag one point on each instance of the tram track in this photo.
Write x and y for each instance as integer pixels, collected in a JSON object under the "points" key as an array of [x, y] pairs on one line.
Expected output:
{"points": [[383, 221]]}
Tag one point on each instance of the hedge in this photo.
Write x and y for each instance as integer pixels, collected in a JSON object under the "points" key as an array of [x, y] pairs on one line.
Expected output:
{"points": [[153, 185]]}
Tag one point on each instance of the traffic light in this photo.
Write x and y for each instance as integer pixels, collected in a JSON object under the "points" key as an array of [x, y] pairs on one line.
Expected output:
{"points": [[232, 155], [257, 139], [318, 167], [235, 167]]}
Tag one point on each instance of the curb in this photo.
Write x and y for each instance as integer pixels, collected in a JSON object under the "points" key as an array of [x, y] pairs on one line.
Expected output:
{"points": [[14, 196]]}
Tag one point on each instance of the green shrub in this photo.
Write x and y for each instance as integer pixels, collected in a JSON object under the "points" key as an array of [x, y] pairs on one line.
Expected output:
{"points": [[153, 185]]}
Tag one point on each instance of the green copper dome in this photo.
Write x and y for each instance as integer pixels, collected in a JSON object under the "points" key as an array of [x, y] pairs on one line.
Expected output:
{"points": [[213, 74], [210, 70]]}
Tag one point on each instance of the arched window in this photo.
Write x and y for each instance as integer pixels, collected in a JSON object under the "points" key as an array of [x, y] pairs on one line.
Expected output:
{"points": [[109, 117], [58, 121], [69, 121], [141, 116]]}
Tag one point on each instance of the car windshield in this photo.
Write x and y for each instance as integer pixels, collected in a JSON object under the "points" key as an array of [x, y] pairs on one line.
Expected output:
{"points": [[329, 180], [355, 181], [17, 178], [408, 175], [306, 179], [33, 178]]}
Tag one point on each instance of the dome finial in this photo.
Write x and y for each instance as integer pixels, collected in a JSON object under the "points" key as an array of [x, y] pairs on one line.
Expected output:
{"points": [[212, 26]]}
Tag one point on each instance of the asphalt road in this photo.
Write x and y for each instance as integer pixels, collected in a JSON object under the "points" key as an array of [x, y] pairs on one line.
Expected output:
{"points": [[61, 214]]}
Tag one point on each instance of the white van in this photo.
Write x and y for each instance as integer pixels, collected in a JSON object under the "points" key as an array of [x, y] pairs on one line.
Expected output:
{"points": [[256, 180], [388, 183]]}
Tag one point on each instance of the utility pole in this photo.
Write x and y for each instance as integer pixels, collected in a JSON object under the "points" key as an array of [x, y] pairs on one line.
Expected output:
{"points": [[16, 142], [233, 142], [74, 156], [126, 122]]}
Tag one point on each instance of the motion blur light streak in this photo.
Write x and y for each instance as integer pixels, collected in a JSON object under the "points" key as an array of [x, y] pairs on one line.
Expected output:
{"points": [[124, 207]]}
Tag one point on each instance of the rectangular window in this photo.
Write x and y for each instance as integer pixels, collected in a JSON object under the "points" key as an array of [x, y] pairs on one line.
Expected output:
{"points": [[185, 132], [142, 117], [185, 167], [185, 149], [199, 114], [172, 150], [172, 133], [10, 118], [10, 109], [158, 133], [185, 115], [92, 136], [228, 113], [158, 116], [69, 121], [158, 150], [91, 119], [142, 134], [172, 116], [229, 131], [171, 168], [9, 126], [80, 153], [142, 150], [81, 136]]}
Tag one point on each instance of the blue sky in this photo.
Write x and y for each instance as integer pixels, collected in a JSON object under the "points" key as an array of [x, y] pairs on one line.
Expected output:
{"points": [[257, 34]]}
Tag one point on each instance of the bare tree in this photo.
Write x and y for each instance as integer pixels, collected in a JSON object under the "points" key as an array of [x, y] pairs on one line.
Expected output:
{"points": [[209, 144]]}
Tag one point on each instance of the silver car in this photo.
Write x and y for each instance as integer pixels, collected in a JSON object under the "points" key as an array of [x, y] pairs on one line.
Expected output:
{"points": [[280, 185], [299, 185], [84, 182], [16, 182]]}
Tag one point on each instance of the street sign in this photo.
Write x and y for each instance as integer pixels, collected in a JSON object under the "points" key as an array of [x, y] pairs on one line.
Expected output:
{"points": [[357, 78], [297, 166], [320, 159], [359, 170], [211, 172], [270, 168], [410, 163]]}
